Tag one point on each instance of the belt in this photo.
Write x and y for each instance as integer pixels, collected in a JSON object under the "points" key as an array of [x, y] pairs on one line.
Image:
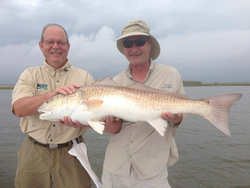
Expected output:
{"points": [[55, 146]]}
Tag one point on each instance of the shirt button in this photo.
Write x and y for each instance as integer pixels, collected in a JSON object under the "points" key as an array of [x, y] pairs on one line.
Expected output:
{"points": [[54, 125], [51, 140], [57, 81]]}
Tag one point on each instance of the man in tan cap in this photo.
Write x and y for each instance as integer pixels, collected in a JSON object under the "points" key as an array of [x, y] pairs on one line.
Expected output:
{"points": [[43, 157], [138, 156]]}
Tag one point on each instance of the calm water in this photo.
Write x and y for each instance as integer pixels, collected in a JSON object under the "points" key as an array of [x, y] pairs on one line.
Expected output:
{"points": [[208, 158]]}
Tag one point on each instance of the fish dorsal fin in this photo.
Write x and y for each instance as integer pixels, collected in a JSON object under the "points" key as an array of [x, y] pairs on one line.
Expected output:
{"points": [[93, 104], [106, 81], [142, 87], [138, 86]]}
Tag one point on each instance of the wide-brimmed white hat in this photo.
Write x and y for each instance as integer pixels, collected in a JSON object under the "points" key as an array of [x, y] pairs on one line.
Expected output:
{"points": [[138, 27]]}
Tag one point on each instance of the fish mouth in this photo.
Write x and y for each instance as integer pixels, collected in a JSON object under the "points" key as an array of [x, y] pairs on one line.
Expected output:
{"points": [[45, 113], [48, 115]]}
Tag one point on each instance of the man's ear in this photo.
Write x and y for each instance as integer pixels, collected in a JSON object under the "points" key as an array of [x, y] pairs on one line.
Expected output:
{"points": [[41, 45], [150, 41]]}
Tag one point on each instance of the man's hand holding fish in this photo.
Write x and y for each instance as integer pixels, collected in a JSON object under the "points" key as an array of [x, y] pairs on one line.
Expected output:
{"points": [[112, 124]]}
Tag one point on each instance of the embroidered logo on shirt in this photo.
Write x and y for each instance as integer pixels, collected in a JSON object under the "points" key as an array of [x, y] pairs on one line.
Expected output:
{"points": [[166, 86], [42, 86]]}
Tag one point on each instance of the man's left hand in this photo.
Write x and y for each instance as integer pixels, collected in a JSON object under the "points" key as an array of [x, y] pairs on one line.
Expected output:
{"points": [[174, 118], [68, 121]]}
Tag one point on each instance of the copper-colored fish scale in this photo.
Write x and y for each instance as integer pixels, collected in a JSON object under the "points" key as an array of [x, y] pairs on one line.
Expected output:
{"points": [[143, 99]]}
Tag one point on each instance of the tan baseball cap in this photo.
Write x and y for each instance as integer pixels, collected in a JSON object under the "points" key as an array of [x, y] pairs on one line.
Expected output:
{"points": [[138, 27]]}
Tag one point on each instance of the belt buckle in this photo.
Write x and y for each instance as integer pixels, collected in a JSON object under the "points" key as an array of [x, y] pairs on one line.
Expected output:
{"points": [[53, 146]]}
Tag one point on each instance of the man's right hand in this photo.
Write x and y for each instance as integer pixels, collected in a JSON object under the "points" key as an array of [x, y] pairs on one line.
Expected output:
{"points": [[66, 89], [28, 105], [113, 124]]}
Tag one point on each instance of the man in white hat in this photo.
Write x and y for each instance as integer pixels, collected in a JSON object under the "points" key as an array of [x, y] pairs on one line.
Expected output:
{"points": [[138, 156]]}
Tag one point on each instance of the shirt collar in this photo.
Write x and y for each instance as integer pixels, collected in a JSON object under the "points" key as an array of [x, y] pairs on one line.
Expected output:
{"points": [[150, 70], [52, 71]]}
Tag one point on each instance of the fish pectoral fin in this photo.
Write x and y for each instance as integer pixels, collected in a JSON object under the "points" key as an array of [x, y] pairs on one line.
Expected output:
{"points": [[93, 104], [160, 125], [97, 126]]}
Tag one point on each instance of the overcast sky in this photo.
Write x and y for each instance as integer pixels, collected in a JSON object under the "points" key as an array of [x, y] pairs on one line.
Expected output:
{"points": [[206, 40]]}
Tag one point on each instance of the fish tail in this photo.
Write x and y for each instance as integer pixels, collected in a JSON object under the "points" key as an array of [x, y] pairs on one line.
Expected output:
{"points": [[218, 115]]}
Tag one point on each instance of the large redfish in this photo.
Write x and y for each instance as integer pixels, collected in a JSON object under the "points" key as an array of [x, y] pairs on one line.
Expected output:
{"points": [[133, 103]]}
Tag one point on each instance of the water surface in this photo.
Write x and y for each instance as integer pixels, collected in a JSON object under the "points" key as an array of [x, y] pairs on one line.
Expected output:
{"points": [[208, 158]]}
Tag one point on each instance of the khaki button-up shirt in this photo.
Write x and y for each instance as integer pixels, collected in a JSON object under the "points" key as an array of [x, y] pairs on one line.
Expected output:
{"points": [[139, 144], [40, 80]]}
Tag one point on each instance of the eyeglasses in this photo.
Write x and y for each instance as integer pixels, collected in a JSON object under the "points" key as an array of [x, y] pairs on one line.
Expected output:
{"points": [[138, 42], [51, 43]]}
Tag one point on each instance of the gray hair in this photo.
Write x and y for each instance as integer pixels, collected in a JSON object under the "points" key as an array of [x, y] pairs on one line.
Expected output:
{"points": [[53, 24]]}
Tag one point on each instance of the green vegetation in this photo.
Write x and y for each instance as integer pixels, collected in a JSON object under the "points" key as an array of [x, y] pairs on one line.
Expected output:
{"points": [[198, 83], [5, 86], [185, 83], [192, 83]]}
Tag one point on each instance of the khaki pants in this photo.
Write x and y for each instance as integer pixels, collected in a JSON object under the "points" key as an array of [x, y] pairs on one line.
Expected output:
{"points": [[38, 166], [115, 181]]}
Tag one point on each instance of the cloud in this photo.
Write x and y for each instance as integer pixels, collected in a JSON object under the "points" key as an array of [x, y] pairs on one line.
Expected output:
{"points": [[15, 58], [97, 53], [204, 40], [207, 56], [196, 55]]}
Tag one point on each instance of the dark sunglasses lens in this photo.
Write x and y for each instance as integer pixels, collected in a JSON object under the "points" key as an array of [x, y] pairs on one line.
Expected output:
{"points": [[127, 43], [140, 42]]}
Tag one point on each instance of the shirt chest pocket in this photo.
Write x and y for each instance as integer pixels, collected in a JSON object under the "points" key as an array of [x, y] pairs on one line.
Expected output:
{"points": [[168, 88], [41, 89]]}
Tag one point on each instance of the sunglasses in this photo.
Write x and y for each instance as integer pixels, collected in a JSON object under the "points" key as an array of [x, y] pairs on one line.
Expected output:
{"points": [[138, 42]]}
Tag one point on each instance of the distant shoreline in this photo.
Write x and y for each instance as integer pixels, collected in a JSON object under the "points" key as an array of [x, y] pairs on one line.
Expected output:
{"points": [[7, 86], [197, 83], [185, 83]]}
